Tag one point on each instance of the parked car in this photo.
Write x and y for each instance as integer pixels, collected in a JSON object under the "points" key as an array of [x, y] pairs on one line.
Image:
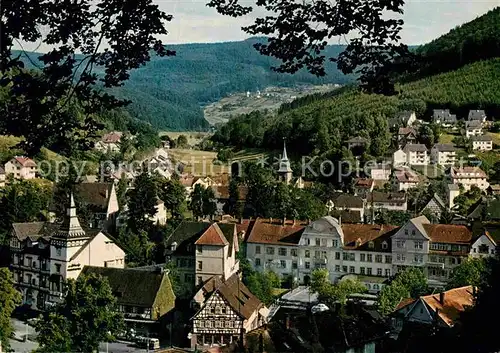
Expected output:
{"points": [[146, 342]]}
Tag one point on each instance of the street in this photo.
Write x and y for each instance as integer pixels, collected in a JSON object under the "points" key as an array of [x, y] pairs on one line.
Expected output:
{"points": [[20, 329]]}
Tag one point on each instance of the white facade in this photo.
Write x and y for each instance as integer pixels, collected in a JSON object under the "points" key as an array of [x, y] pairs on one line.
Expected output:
{"points": [[399, 158], [468, 176], [443, 156], [416, 154], [484, 246], [482, 145], [21, 168]]}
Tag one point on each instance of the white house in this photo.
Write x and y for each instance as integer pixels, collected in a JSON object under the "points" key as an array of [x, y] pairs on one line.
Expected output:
{"points": [[399, 158], [444, 154], [484, 246], [379, 171], [2, 177], [468, 176], [444, 117], [109, 142], [405, 179], [482, 143], [473, 128], [392, 201], [21, 167], [453, 191], [416, 154], [45, 255]]}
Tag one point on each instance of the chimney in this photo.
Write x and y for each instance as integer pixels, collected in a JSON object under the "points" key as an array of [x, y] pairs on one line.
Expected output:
{"points": [[287, 322], [441, 298], [241, 220]]}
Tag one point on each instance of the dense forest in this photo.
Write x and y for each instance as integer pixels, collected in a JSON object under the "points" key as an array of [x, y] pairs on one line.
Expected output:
{"points": [[465, 44], [169, 92], [322, 123]]}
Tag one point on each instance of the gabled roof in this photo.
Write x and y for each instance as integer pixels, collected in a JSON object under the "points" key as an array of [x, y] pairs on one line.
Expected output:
{"points": [[477, 115], [444, 147], [186, 233], [414, 147], [265, 231], [406, 176], [467, 172], [235, 293], [455, 302], [363, 183], [444, 115], [345, 200], [407, 131], [135, 287], [212, 236], [32, 230], [438, 200], [485, 138], [24, 161], [473, 124]]}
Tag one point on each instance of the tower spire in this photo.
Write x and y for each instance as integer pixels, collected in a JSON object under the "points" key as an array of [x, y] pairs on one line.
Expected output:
{"points": [[70, 227], [285, 170]]}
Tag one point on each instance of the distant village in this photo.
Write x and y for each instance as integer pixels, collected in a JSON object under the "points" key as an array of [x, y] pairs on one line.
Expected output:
{"points": [[217, 311]]}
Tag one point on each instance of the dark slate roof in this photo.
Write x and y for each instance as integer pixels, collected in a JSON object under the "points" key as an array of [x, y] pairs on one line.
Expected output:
{"points": [[347, 216], [92, 194], [444, 115], [414, 147], [32, 230], [444, 147], [185, 234], [132, 287], [476, 115], [473, 124], [345, 200], [392, 197], [481, 138]]}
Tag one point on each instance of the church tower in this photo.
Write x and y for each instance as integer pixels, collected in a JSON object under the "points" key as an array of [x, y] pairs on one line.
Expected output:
{"points": [[285, 171]]}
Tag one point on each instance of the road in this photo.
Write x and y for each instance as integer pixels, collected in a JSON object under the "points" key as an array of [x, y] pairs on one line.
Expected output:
{"points": [[19, 346]]}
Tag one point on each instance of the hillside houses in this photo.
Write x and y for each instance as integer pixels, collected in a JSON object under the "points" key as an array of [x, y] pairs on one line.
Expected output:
{"points": [[468, 176], [405, 178], [406, 135], [444, 154], [478, 115], [109, 142], [482, 143], [444, 117], [416, 154], [473, 128], [21, 167]]}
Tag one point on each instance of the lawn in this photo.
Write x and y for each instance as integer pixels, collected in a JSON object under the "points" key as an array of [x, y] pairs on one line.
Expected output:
{"points": [[430, 171], [193, 137], [495, 136], [447, 137]]}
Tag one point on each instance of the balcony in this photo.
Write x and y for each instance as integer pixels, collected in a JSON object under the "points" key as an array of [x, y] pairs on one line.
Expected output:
{"points": [[439, 265]]}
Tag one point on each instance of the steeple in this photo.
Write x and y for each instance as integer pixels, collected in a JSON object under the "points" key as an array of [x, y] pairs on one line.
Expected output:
{"points": [[70, 227], [285, 170]]}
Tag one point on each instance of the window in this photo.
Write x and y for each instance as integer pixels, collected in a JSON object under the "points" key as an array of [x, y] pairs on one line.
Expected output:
{"points": [[351, 269], [307, 264], [335, 243], [388, 259], [58, 268], [200, 265], [269, 251], [307, 253], [30, 261], [418, 258], [317, 254], [208, 324], [218, 310], [371, 245], [400, 243], [369, 258], [337, 255], [257, 261], [379, 272], [413, 232], [199, 249], [294, 252], [201, 323], [375, 287], [483, 249], [419, 244], [452, 261], [58, 251], [387, 272], [323, 242], [378, 258], [362, 257], [344, 269], [294, 265], [362, 270], [352, 257], [323, 254], [369, 271], [337, 268], [345, 256], [384, 245], [282, 251], [229, 324], [398, 257], [257, 249], [282, 263], [317, 242]]}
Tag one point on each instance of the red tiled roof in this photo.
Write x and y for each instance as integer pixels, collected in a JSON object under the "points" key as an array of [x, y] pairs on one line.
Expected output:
{"points": [[405, 302], [263, 231], [468, 172], [112, 137], [356, 235], [363, 183], [186, 180], [25, 161], [406, 131], [455, 302], [212, 236], [448, 233]]}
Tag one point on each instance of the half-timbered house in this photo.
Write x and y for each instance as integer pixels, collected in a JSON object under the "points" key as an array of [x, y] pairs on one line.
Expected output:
{"points": [[227, 311]]}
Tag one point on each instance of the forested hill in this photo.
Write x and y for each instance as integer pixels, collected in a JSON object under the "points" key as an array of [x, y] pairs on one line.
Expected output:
{"points": [[468, 43], [169, 92]]}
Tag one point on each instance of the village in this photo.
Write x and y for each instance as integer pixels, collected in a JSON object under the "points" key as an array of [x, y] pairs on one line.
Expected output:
{"points": [[197, 293]]}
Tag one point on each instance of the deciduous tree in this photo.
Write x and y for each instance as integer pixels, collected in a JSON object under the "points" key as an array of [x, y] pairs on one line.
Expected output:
{"points": [[142, 202], [9, 299], [86, 317], [472, 271]]}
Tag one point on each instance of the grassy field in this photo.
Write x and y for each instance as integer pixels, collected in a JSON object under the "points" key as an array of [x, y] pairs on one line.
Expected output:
{"points": [[447, 137], [429, 171], [495, 137]]}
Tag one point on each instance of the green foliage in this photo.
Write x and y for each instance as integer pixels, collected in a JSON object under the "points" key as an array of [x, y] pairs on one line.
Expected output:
{"points": [[351, 113], [331, 294], [173, 194], [22, 201], [9, 299], [465, 200], [225, 155], [121, 191], [233, 206], [182, 141], [203, 203], [397, 218], [86, 317], [142, 201], [472, 271], [209, 202], [409, 283], [139, 247], [261, 284]]}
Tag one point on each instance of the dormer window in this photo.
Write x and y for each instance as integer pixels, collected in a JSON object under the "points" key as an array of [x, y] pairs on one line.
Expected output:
{"points": [[384, 245], [173, 246], [371, 245]]}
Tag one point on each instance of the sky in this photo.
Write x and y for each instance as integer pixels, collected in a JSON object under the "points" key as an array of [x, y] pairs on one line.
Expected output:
{"points": [[424, 20], [194, 22]]}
